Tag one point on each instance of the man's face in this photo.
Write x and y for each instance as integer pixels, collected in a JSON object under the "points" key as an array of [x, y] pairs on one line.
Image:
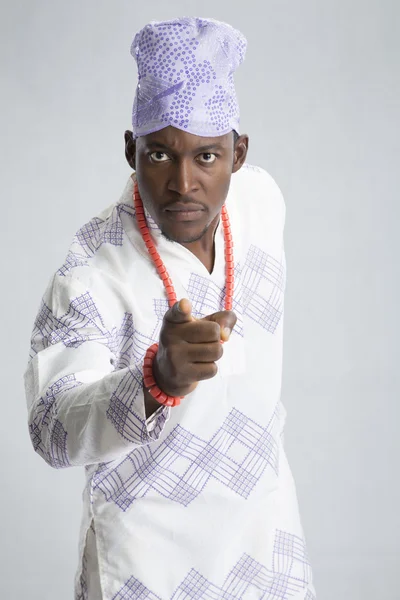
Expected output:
{"points": [[184, 179]]}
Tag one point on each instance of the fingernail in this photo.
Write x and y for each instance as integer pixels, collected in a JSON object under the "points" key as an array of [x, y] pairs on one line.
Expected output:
{"points": [[226, 332]]}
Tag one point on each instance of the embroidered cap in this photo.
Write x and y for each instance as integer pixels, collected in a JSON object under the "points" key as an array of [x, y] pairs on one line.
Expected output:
{"points": [[185, 76]]}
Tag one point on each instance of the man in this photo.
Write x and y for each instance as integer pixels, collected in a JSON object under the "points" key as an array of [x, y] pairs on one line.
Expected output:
{"points": [[156, 354]]}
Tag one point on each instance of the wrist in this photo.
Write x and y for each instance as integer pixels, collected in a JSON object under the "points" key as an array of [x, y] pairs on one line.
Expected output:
{"points": [[150, 381]]}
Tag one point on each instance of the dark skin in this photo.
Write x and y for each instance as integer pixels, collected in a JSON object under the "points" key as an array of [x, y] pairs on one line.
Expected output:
{"points": [[183, 181]]}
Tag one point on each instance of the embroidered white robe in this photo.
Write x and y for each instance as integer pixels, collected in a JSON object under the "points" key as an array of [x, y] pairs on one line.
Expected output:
{"points": [[197, 501]]}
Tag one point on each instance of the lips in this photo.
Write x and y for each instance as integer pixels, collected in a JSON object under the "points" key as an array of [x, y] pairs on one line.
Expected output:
{"points": [[181, 207], [184, 212]]}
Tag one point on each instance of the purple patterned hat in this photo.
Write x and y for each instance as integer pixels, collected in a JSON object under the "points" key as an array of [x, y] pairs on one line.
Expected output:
{"points": [[185, 76]]}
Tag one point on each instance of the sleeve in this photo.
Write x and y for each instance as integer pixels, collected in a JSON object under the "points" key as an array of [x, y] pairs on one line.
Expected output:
{"points": [[84, 382]]}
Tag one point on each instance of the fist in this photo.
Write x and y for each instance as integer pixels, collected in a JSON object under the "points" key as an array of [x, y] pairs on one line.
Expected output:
{"points": [[189, 348]]}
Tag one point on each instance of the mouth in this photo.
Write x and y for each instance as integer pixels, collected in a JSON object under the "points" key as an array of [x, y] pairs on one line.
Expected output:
{"points": [[184, 212]]}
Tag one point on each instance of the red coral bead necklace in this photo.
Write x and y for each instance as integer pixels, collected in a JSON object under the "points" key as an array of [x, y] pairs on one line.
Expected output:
{"points": [[149, 380]]}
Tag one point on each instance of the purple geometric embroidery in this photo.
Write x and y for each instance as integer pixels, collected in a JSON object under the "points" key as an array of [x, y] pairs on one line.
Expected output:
{"points": [[121, 411], [93, 235], [134, 590], [82, 313], [181, 466], [290, 575], [82, 592], [97, 232], [73, 260], [58, 445], [160, 307], [89, 236], [263, 288], [113, 232], [126, 344], [49, 438], [255, 168], [207, 297]]}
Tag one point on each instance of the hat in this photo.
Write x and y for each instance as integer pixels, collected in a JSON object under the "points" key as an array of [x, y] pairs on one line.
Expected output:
{"points": [[185, 76]]}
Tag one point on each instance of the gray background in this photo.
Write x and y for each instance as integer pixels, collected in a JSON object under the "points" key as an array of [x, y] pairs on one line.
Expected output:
{"points": [[319, 96]]}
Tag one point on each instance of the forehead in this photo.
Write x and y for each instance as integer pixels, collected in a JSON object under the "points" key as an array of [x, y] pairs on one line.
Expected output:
{"points": [[182, 141]]}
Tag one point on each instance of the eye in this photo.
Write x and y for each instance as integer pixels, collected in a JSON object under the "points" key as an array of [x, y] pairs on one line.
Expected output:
{"points": [[208, 157], [159, 156]]}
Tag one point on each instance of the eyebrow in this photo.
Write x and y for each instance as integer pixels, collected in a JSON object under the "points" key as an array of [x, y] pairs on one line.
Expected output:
{"points": [[200, 149]]}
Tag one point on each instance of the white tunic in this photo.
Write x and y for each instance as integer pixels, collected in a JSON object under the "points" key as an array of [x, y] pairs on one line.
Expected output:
{"points": [[198, 501]]}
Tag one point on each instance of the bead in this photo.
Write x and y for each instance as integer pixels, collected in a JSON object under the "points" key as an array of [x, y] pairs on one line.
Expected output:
{"points": [[149, 382], [154, 391], [169, 401], [229, 279], [162, 397], [167, 280]]}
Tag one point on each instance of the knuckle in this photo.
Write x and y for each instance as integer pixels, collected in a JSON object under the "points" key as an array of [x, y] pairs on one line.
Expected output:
{"points": [[209, 371], [214, 351], [219, 351], [214, 369]]}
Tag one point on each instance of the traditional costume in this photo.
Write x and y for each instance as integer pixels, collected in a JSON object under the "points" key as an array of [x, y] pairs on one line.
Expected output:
{"points": [[197, 501]]}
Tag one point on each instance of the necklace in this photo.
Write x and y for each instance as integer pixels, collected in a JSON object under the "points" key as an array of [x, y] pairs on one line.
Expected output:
{"points": [[149, 380]]}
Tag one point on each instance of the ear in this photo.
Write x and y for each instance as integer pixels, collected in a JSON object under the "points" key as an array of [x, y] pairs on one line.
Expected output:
{"points": [[130, 149], [240, 152]]}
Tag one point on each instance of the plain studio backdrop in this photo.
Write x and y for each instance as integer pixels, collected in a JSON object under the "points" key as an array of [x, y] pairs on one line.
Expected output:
{"points": [[319, 96]]}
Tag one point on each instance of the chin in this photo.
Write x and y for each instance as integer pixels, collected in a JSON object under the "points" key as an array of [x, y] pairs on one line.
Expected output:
{"points": [[184, 235]]}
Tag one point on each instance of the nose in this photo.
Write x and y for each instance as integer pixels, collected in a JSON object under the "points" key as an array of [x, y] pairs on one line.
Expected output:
{"points": [[182, 178]]}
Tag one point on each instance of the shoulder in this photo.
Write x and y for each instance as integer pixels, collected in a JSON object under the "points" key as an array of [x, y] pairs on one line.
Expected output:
{"points": [[260, 183], [262, 194], [99, 243]]}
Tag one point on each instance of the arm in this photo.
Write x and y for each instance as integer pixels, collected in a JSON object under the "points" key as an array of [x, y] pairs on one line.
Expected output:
{"points": [[84, 390]]}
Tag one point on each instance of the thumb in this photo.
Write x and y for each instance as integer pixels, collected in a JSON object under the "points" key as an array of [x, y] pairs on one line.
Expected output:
{"points": [[226, 319], [180, 312]]}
